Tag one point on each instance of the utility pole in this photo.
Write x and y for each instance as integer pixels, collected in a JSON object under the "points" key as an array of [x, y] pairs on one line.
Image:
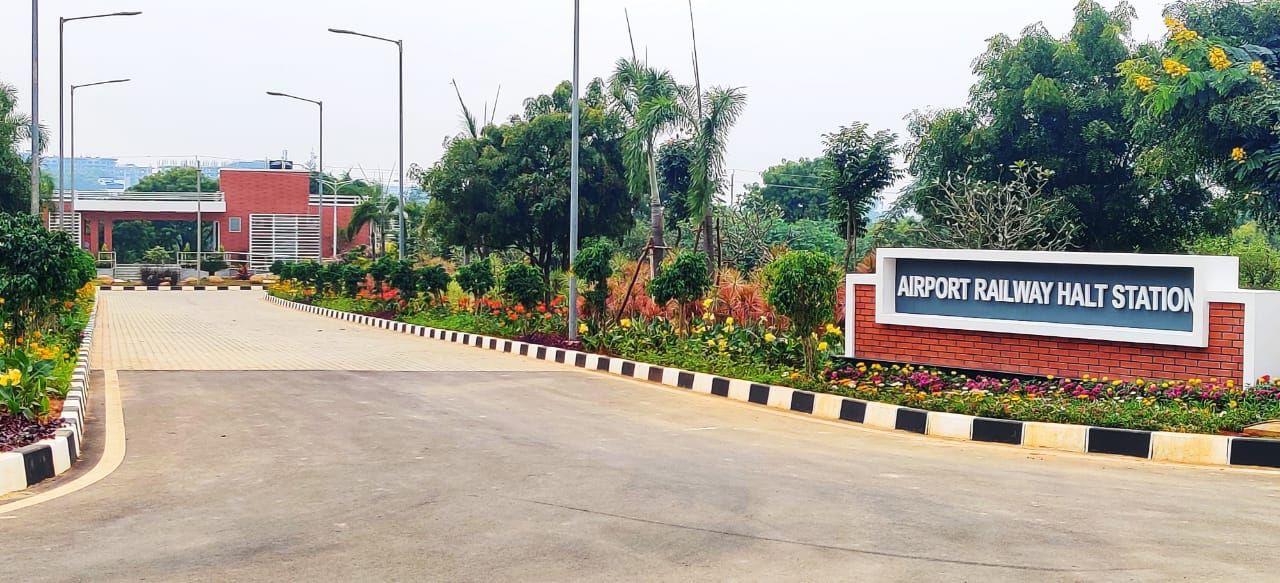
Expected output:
{"points": [[199, 220], [573, 188], [35, 107]]}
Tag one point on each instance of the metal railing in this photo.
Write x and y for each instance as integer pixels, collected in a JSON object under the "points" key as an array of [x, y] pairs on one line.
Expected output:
{"points": [[126, 195], [343, 199]]}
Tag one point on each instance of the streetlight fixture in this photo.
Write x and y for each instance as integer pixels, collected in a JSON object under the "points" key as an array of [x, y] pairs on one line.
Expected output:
{"points": [[73, 131], [62, 23], [320, 179], [35, 107], [400, 48], [573, 188]]}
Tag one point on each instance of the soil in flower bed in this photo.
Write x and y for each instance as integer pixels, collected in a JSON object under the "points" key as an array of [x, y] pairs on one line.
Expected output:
{"points": [[17, 431], [552, 340]]}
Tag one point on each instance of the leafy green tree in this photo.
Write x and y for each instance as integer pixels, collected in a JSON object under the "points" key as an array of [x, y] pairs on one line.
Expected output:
{"points": [[509, 189], [648, 99], [795, 187], [685, 281], [404, 277], [523, 284], [859, 165], [37, 267], [1207, 103], [352, 276], [1259, 260], [176, 179], [433, 281], [675, 159], [802, 287], [593, 266], [1059, 103], [15, 172], [476, 278]]}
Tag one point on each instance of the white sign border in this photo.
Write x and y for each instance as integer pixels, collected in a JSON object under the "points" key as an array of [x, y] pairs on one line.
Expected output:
{"points": [[1211, 273]]}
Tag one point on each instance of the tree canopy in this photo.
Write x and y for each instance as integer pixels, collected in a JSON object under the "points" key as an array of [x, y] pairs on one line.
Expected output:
{"points": [[794, 187], [176, 179], [1058, 102], [509, 188]]}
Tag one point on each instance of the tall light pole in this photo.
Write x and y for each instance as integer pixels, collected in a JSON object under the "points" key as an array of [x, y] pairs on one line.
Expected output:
{"points": [[35, 107], [62, 23], [199, 220], [320, 179], [400, 48], [573, 188], [73, 132]]}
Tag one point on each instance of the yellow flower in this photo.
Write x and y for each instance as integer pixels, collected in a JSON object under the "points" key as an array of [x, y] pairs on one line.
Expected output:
{"points": [[708, 316], [823, 346], [707, 303], [729, 329], [1175, 69], [722, 343], [1, 341], [769, 337], [1232, 404], [1178, 30], [711, 342], [1256, 68], [1230, 383], [729, 320], [1238, 154], [1144, 83], [626, 322], [15, 376], [2, 299], [1173, 24], [1218, 59], [583, 328]]}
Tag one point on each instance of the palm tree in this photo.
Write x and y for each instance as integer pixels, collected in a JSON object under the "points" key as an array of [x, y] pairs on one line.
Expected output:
{"points": [[714, 115], [649, 101], [377, 211]]}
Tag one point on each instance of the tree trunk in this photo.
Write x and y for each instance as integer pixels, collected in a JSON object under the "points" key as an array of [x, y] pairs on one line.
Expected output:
{"points": [[709, 239], [655, 216]]}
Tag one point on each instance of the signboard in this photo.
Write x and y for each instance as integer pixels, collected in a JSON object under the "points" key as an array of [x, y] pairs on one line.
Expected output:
{"points": [[1158, 299]]}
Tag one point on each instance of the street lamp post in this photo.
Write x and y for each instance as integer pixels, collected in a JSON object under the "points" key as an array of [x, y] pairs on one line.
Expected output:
{"points": [[73, 130], [320, 179], [62, 23], [400, 48], [35, 107], [573, 188]]}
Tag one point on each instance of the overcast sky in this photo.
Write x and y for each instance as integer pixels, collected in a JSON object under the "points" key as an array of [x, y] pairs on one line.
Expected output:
{"points": [[200, 69]]}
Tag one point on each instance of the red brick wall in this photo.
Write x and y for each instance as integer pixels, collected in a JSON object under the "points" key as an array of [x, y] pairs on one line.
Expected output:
{"points": [[1044, 355], [276, 192]]}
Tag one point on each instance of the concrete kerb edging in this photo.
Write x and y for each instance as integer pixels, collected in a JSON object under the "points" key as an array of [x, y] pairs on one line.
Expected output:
{"points": [[27, 466], [1188, 448], [256, 287]]}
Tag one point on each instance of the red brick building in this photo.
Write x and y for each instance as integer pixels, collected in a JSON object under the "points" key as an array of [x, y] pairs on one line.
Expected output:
{"points": [[261, 215]]}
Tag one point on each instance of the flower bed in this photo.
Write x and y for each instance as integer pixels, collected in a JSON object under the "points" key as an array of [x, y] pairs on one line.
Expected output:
{"points": [[760, 351]]}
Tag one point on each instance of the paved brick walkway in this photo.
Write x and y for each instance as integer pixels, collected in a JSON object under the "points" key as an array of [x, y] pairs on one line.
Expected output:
{"points": [[238, 330]]}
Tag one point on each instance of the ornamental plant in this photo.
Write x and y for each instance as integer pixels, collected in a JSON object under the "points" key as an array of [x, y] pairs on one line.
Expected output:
{"points": [[433, 281], [476, 278], [802, 287], [352, 276], [39, 269], [522, 284], [380, 270], [404, 277], [593, 266], [156, 255], [685, 281]]}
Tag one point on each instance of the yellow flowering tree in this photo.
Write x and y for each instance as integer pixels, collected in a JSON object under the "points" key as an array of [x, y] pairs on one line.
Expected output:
{"points": [[1208, 101]]}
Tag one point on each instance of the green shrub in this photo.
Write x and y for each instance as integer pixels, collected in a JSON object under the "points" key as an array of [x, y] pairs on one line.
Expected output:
{"points": [[476, 278], [1259, 261], [593, 266], [329, 278], [157, 256], [802, 287], [278, 268], [522, 283], [306, 272], [381, 269], [37, 266], [686, 280], [214, 263], [403, 277], [433, 281], [352, 276]]}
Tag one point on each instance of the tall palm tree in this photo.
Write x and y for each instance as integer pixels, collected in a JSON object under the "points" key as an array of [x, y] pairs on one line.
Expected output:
{"points": [[377, 211], [714, 115], [649, 101]]}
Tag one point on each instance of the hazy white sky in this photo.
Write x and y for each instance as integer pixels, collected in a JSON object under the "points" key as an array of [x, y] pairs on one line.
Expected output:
{"points": [[200, 69]]}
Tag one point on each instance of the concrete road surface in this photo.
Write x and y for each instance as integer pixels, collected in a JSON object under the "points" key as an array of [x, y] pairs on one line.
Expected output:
{"points": [[271, 445]]}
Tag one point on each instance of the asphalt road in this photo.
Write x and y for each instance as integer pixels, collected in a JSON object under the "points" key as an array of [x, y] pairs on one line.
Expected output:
{"points": [[473, 465]]}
